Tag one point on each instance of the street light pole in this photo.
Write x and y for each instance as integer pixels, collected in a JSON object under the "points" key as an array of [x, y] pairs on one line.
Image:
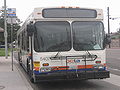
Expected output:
{"points": [[12, 41], [108, 22], [5, 27]]}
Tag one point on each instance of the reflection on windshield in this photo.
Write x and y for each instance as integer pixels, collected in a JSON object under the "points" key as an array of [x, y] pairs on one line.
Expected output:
{"points": [[87, 35], [52, 36], [55, 36]]}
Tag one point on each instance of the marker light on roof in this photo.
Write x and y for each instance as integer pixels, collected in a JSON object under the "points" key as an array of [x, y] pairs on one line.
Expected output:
{"points": [[38, 13]]}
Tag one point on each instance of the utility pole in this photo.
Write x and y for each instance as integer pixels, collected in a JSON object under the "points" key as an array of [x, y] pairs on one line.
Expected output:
{"points": [[12, 20], [12, 41], [108, 22], [5, 27]]}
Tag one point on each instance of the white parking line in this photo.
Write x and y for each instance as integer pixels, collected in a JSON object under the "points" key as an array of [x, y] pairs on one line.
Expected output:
{"points": [[114, 79]]}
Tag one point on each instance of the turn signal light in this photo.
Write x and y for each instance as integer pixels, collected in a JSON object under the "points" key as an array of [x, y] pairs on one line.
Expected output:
{"points": [[45, 64], [77, 7], [62, 7], [70, 7], [39, 13], [36, 64]]}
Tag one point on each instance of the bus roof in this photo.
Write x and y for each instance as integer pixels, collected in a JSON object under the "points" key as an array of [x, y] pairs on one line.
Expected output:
{"points": [[64, 14], [72, 13]]}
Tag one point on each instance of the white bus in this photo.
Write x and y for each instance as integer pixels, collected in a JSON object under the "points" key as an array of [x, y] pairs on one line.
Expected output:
{"points": [[63, 43]]}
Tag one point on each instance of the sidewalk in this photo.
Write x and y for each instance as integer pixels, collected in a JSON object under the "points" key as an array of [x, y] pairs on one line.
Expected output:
{"points": [[11, 80]]}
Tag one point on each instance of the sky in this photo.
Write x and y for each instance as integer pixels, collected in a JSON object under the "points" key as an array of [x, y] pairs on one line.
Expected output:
{"points": [[25, 7]]}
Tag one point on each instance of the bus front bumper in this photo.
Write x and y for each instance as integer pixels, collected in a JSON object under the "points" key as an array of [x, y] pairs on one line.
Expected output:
{"points": [[80, 75]]}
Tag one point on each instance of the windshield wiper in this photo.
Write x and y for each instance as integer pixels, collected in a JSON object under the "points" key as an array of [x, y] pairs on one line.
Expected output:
{"points": [[56, 55], [93, 57], [89, 55]]}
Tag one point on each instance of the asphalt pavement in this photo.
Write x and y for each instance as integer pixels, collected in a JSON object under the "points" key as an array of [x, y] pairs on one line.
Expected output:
{"points": [[12, 80], [17, 80]]}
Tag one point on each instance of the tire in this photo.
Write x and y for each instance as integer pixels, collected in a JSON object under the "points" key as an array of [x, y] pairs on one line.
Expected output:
{"points": [[19, 58], [30, 73], [32, 80], [28, 67]]}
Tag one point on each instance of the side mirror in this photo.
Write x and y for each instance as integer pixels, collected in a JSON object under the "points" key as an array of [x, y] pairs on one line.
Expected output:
{"points": [[108, 39], [30, 29], [27, 49]]}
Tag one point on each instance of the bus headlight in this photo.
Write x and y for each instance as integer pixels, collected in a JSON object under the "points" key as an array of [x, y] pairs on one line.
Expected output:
{"points": [[101, 67], [98, 67], [45, 69]]}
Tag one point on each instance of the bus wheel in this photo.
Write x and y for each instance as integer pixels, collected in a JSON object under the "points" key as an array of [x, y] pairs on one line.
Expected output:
{"points": [[28, 67], [32, 80], [29, 71], [19, 58]]}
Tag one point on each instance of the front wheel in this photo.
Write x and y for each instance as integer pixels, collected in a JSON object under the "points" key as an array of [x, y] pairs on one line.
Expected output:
{"points": [[32, 79], [28, 66], [19, 58], [30, 72]]}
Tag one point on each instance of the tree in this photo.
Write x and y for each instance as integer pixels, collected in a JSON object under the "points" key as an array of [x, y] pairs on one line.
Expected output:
{"points": [[15, 29], [2, 33]]}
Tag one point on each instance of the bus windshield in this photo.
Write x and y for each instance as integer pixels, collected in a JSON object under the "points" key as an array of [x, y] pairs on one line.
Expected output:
{"points": [[87, 35], [52, 36], [56, 36]]}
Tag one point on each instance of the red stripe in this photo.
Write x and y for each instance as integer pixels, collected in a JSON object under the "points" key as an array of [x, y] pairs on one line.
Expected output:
{"points": [[78, 67], [84, 66]]}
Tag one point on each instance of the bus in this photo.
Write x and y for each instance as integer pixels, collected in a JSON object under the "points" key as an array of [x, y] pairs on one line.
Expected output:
{"points": [[63, 43]]}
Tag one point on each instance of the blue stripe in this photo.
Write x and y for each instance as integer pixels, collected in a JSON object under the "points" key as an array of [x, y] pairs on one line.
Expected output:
{"points": [[36, 72]]}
